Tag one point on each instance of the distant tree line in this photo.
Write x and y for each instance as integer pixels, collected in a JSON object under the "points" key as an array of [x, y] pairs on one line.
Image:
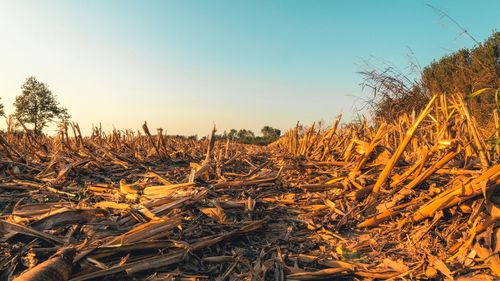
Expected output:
{"points": [[35, 106], [269, 135], [462, 72]]}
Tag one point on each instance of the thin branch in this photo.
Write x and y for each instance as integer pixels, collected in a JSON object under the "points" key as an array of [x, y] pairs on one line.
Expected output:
{"points": [[444, 14]]}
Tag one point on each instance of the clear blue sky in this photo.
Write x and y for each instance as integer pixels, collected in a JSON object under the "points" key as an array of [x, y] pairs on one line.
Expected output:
{"points": [[183, 65]]}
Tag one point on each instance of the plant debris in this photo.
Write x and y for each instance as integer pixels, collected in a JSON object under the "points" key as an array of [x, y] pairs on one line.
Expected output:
{"points": [[414, 199]]}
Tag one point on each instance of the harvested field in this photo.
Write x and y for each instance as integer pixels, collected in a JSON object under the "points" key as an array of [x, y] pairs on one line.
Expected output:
{"points": [[414, 199]]}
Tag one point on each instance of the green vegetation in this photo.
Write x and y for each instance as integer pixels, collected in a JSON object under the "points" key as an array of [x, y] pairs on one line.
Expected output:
{"points": [[37, 105], [269, 135], [467, 71], [462, 72]]}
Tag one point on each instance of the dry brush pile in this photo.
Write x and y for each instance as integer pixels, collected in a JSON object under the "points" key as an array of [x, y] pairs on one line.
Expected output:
{"points": [[413, 199]]}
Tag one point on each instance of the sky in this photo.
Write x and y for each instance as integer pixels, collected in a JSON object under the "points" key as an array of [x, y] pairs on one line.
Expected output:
{"points": [[184, 65]]}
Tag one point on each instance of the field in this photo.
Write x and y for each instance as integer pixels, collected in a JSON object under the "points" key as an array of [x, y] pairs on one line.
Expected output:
{"points": [[411, 199]]}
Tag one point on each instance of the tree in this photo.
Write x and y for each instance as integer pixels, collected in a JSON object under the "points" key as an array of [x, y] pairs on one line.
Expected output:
{"points": [[245, 134], [232, 134], [270, 132], [38, 106], [2, 112]]}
